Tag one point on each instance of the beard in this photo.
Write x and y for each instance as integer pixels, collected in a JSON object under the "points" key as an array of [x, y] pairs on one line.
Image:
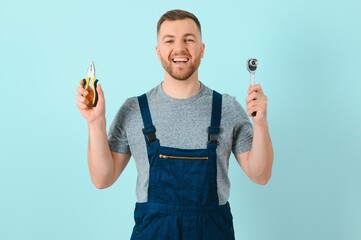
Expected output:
{"points": [[180, 73]]}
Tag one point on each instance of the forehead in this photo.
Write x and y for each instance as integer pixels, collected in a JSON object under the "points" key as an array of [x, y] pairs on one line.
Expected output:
{"points": [[178, 28]]}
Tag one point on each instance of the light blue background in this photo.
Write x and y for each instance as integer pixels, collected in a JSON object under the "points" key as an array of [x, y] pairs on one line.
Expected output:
{"points": [[309, 66]]}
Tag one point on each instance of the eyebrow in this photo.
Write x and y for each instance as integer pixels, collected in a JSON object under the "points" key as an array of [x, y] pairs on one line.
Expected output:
{"points": [[167, 36], [172, 36], [190, 35]]}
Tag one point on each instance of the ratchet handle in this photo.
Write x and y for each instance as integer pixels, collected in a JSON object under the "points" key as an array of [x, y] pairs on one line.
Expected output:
{"points": [[252, 83], [252, 66]]}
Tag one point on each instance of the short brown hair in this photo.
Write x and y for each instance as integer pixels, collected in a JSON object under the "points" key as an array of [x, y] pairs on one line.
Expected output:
{"points": [[178, 14]]}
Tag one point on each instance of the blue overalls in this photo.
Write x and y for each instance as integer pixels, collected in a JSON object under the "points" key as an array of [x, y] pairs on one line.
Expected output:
{"points": [[182, 191]]}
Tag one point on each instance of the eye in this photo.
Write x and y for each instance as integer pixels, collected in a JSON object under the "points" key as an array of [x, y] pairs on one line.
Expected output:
{"points": [[189, 40], [168, 41]]}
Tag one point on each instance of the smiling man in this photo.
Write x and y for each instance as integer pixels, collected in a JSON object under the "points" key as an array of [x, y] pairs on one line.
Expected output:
{"points": [[180, 134], [180, 48]]}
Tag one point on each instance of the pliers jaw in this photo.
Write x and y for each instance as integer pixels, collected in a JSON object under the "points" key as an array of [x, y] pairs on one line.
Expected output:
{"points": [[91, 82], [91, 70]]}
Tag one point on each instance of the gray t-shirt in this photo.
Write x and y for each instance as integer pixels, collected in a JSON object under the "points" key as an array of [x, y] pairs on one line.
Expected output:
{"points": [[181, 123]]}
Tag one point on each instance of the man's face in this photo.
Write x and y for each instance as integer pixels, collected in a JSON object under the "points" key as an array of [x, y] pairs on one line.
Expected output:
{"points": [[180, 48]]}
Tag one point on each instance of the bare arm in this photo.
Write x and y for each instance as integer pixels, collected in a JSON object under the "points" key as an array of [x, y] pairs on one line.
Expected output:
{"points": [[257, 163], [104, 166]]}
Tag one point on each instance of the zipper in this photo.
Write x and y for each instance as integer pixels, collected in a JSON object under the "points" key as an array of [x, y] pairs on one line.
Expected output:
{"points": [[181, 157]]}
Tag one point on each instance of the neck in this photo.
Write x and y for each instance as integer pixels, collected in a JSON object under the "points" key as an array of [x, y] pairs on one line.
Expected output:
{"points": [[181, 89]]}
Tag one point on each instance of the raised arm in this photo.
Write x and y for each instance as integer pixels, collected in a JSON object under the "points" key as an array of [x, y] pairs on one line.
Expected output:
{"points": [[257, 163], [104, 166]]}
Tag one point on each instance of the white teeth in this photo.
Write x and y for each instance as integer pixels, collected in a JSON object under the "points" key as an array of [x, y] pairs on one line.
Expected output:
{"points": [[180, 59]]}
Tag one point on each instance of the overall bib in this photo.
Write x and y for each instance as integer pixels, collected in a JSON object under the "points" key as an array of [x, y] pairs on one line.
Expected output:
{"points": [[182, 191]]}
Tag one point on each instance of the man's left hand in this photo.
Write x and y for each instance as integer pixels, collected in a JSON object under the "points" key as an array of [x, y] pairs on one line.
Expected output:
{"points": [[257, 102]]}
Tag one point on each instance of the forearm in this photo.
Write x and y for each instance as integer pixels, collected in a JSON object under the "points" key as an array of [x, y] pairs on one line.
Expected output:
{"points": [[100, 161], [261, 155]]}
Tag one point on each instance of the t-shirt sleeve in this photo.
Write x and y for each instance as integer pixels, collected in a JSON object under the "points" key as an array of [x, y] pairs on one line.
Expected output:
{"points": [[117, 135], [243, 129]]}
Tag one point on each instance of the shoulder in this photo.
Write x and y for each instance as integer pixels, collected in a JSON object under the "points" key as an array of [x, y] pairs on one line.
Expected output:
{"points": [[131, 104], [230, 104], [226, 98], [232, 108], [230, 101]]}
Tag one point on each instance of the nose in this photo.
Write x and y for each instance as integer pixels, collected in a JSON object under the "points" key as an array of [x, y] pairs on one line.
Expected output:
{"points": [[179, 45]]}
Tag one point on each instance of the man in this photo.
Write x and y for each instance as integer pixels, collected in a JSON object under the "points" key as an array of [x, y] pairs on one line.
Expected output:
{"points": [[180, 134]]}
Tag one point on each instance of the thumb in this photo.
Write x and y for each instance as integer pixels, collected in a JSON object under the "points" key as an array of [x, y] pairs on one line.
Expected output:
{"points": [[100, 93], [100, 90]]}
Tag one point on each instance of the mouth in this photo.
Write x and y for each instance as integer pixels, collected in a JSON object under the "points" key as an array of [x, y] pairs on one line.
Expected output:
{"points": [[180, 59]]}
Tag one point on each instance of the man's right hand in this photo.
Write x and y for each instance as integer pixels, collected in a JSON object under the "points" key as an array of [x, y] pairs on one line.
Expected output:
{"points": [[105, 166], [86, 109]]}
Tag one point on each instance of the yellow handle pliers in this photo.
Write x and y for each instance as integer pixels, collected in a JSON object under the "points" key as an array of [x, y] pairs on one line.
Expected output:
{"points": [[91, 82]]}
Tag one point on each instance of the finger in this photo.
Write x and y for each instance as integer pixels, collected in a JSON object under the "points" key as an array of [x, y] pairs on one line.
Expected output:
{"points": [[253, 96], [258, 106], [81, 82], [260, 90], [252, 105], [255, 88], [82, 106], [81, 99], [251, 110], [82, 102], [254, 108], [256, 95], [82, 91], [252, 88]]}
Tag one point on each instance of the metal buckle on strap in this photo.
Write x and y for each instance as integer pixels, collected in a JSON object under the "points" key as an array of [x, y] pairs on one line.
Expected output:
{"points": [[151, 137], [213, 134], [213, 138], [149, 134]]}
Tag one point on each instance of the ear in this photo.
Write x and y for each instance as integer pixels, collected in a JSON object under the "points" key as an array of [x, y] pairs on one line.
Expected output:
{"points": [[202, 49], [157, 50]]}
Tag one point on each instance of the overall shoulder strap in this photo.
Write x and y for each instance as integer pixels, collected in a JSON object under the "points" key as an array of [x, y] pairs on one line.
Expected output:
{"points": [[149, 129], [214, 129], [213, 134]]}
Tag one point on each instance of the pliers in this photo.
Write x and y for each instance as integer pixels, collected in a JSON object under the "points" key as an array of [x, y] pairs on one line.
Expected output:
{"points": [[91, 82]]}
